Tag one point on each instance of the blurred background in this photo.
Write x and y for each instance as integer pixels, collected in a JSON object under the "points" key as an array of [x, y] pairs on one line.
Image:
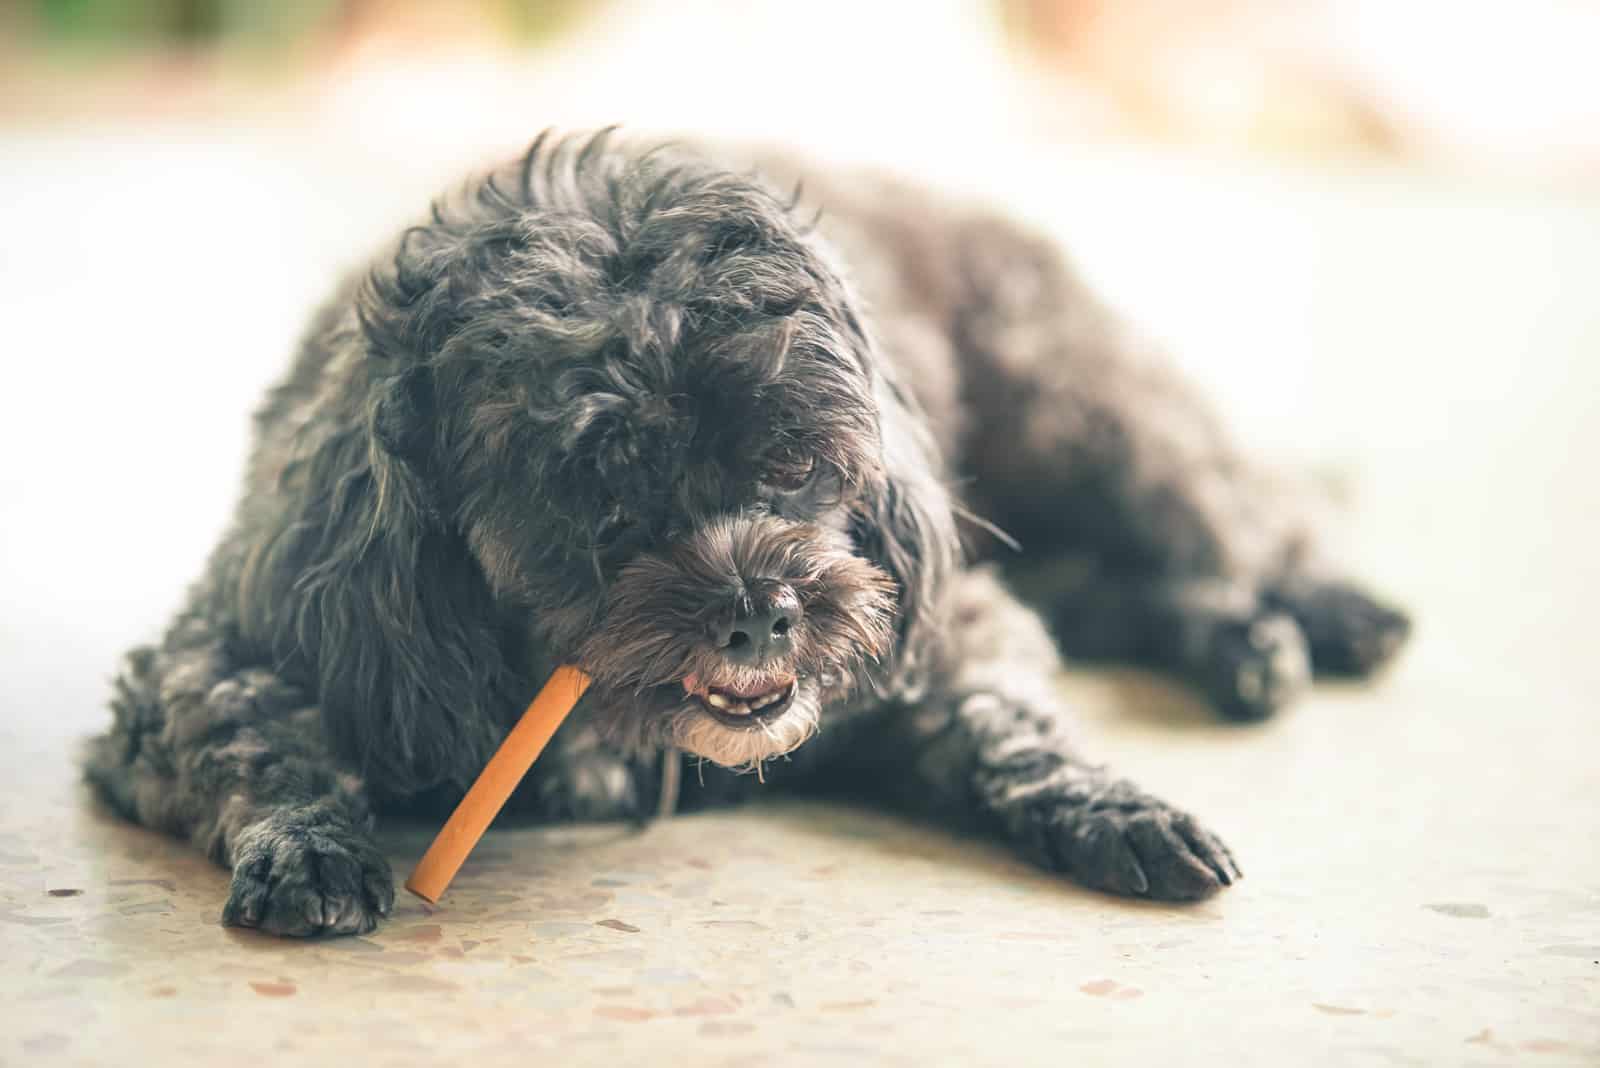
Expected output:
{"points": [[1492, 86]]}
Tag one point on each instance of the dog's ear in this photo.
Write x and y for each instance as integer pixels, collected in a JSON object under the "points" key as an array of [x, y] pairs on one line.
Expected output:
{"points": [[905, 524], [402, 413], [364, 591]]}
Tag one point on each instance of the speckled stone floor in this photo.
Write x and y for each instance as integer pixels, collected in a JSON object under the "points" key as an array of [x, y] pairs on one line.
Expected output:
{"points": [[1422, 858]]}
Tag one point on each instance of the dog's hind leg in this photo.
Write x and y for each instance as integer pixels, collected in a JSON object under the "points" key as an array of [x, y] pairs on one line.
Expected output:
{"points": [[233, 758], [1218, 635], [1084, 443], [989, 740], [1351, 633]]}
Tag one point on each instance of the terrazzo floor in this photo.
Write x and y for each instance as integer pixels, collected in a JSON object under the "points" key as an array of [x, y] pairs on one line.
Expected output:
{"points": [[1422, 857]]}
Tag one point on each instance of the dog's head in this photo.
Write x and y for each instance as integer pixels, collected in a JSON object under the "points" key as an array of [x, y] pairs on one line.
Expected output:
{"points": [[645, 401]]}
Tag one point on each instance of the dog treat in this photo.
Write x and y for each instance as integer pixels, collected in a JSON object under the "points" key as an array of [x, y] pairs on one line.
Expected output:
{"points": [[499, 777]]}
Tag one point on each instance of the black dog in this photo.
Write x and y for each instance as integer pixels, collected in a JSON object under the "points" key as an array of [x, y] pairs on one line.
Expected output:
{"points": [[623, 407]]}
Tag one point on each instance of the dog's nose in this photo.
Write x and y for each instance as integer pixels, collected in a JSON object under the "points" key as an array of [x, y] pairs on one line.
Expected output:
{"points": [[759, 626]]}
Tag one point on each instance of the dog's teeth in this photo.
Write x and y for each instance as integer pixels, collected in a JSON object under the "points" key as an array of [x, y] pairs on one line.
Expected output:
{"points": [[744, 706]]}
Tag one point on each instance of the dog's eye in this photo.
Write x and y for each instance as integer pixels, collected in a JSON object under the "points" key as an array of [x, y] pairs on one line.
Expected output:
{"points": [[788, 469]]}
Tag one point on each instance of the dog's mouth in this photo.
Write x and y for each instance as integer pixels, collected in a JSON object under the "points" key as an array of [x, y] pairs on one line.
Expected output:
{"points": [[746, 704]]}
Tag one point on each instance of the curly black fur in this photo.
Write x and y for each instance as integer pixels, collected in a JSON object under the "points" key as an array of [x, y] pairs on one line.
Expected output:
{"points": [[620, 405]]}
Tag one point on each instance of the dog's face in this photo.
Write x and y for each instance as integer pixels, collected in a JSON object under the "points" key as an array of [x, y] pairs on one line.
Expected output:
{"points": [[684, 527], [653, 418]]}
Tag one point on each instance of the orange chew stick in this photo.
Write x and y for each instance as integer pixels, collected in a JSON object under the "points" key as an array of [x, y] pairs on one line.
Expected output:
{"points": [[499, 777]]}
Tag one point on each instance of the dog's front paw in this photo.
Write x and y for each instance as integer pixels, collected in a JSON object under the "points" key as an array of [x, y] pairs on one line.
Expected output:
{"points": [[1130, 843], [292, 876], [1256, 666]]}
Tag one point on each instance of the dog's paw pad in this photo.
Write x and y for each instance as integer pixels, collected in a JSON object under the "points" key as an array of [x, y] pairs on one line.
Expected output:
{"points": [[1256, 667], [295, 880]]}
